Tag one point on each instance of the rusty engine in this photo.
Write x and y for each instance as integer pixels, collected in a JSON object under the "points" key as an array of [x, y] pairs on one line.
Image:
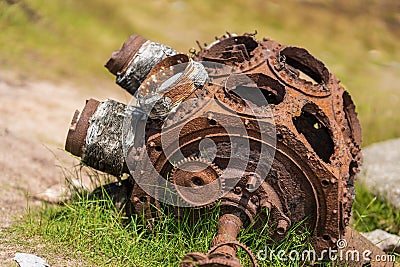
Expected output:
{"points": [[263, 129]]}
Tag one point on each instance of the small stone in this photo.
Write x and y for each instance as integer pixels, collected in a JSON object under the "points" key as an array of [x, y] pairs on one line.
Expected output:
{"points": [[380, 170], [61, 192], [29, 260], [385, 241]]}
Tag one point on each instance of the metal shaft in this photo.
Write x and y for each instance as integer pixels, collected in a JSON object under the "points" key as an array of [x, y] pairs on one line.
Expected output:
{"points": [[229, 226]]}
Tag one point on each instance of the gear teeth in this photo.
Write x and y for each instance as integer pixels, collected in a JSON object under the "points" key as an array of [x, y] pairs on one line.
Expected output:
{"points": [[193, 159]]}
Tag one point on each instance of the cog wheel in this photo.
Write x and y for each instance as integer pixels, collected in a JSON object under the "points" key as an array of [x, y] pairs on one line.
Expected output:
{"points": [[197, 181]]}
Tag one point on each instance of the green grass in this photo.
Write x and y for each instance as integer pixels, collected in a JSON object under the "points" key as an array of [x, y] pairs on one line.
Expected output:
{"points": [[370, 213], [104, 237], [94, 231], [71, 40]]}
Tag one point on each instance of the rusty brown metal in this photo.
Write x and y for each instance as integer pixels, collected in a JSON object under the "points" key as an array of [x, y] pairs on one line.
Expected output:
{"points": [[313, 151], [223, 252], [95, 136], [120, 59], [77, 131], [133, 62]]}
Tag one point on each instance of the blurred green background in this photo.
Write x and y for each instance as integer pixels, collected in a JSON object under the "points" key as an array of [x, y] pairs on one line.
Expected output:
{"points": [[70, 40]]}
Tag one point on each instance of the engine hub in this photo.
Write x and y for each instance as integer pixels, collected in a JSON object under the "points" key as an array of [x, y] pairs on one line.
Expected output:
{"points": [[263, 128]]}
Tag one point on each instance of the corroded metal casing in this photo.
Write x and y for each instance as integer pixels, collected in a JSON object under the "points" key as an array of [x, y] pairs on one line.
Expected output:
{"points": [[313, 144], [95, 136], [134, 61], [318, 133]]}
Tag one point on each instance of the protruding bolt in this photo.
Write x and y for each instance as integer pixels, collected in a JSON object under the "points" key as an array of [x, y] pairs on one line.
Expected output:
{"points": [[135, 200], [237, 190], [152, 144], [251, 184], [254, 199], [282, 227], [265, 204]]}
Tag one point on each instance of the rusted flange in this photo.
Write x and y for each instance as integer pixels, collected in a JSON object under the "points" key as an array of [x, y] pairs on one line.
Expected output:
{"points": [[120, 59], [77, 131], [134, 61]]}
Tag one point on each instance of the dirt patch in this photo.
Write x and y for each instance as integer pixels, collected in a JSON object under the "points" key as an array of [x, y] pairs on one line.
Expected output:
{"points": [[53, 256], [34, 120]]}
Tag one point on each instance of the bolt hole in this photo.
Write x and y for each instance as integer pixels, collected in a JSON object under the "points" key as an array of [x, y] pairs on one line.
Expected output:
{"points": [[158, 148], [212, 122], [326, 237], [197, 181], [143, 199], [237, 190], [325, 183], [279, 136]]}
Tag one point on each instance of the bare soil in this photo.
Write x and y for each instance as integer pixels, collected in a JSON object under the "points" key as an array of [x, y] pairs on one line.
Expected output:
{"points": [[34, 121]]}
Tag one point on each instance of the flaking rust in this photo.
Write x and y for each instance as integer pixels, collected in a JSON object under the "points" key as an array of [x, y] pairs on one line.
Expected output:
{"points": [[316, 139]]}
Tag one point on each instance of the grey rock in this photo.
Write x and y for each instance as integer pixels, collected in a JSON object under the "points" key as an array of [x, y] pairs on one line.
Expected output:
{"points": [[62, 191], [380, 172], [29, 260], [385, 241]]}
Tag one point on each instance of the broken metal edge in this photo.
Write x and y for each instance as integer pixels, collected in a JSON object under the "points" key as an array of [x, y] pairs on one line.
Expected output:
{"points": [[79, 125], [120, 59]]}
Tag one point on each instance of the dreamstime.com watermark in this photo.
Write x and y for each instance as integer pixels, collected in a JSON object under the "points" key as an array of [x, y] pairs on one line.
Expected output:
{"points": [[340, 254]]}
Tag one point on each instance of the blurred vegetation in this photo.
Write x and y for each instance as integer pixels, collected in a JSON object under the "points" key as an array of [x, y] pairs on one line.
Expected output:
{"points": [[371, 212], [71, 40], [101, 236]]}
